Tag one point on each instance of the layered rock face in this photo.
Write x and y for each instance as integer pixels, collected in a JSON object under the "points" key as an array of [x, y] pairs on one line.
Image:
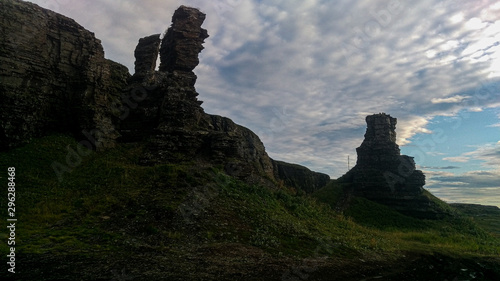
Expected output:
{"points": [[146, 54], [54, 78], [379, 146], [385, 176], [175, 125], [177, 128], [299, 177], [380, 152], [183, 40]]}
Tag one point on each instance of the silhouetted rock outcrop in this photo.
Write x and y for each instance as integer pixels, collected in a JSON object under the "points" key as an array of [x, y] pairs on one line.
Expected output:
{"points": [[299, 177], [54, 78], [146, 54], [385, 176], [175, 125], [179, 128], [183, 40]]}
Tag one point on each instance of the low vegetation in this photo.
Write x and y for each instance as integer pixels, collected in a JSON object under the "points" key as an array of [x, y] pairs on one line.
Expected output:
{"points": [[109, 217]]}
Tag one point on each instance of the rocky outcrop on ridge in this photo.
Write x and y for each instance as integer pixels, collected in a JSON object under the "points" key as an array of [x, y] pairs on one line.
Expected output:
{"points": [[180, 129], [299, 177], [183, 41], [54, 78], [385, 176], [146, 54], [171, 119]]}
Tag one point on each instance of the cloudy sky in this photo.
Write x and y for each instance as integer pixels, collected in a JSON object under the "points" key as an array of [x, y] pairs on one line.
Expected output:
{"points": [[304, 74]]}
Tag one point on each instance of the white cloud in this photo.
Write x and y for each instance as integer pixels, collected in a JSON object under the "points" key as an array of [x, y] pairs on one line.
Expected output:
{"points": [[475, 109], [479, 187], [488, 153], [458, 159], [471, 179], [484, 196], [407, 128], [454, 99]]}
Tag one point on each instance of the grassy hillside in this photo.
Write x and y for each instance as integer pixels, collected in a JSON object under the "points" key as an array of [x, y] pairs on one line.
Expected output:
{"points": [[106, 218], [488, 217], [456, 234]]}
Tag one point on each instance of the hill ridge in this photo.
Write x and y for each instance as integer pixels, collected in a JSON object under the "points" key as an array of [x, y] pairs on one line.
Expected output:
{"points": [[76, 90], [181, 194]]}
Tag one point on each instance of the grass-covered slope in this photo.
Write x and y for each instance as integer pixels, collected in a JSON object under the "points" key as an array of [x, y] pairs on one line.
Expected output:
{"points": [[456, 234], [107, 218], [487, 217]]}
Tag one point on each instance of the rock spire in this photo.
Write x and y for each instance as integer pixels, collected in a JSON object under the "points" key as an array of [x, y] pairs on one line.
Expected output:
{"points": [[385, 176], [54, 78]]}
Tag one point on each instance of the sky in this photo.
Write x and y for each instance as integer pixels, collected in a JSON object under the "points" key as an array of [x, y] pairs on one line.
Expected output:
{"points": [[303, 75]]}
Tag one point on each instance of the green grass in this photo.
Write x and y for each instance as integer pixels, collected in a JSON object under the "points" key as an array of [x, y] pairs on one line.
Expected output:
{"points": [[108, 204], [485, 216], [297, 225], [98, 200], [457, 235]]}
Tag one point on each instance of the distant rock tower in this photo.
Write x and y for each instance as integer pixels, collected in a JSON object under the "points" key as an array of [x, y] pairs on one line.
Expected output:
{"points": [[385, 176]]}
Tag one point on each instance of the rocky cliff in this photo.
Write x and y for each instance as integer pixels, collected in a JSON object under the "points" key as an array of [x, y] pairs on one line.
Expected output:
{"points": [[175, 126], [54, 78], [299, 177], [385, 176], [170, 117]]}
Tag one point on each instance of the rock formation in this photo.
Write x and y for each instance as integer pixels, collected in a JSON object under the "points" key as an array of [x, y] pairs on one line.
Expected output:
{"points": [[183, 40], [385, 176], [171, 118], [146, 54], [175, 125], [54, 78], [299, 177]]}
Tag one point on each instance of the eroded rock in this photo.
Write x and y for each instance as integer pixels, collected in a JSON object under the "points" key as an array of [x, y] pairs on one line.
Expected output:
{"points": [[54, 77], [146, 54], [183, 40], [385, 176], [183, 131], [299, 177]]}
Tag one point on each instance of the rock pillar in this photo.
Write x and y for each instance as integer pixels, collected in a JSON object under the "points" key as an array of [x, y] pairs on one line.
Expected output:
{"points": [[385, 176]]}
